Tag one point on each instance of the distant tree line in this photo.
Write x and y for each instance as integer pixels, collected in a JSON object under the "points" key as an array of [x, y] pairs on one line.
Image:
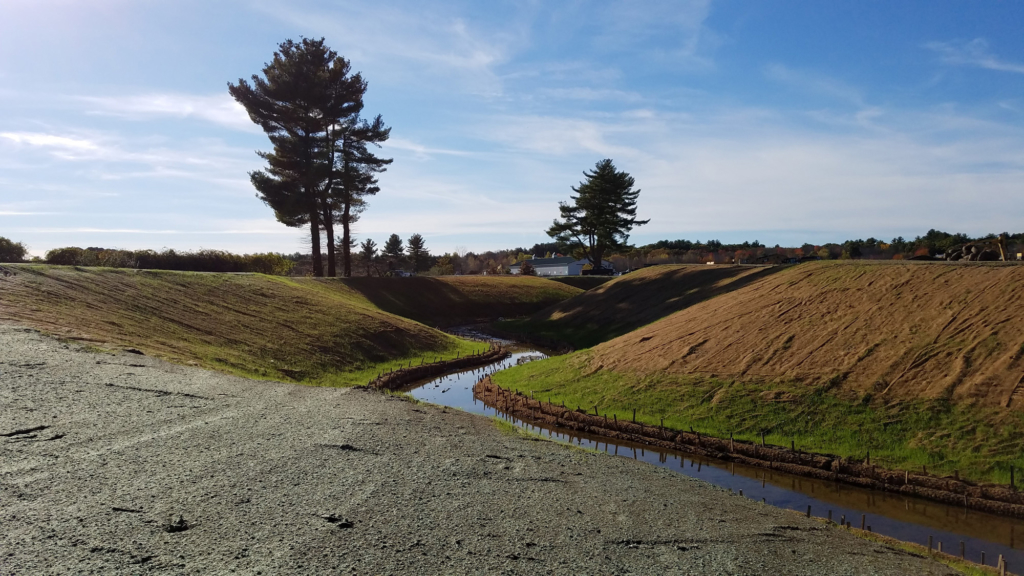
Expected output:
{"points": [[191, 261], [412, 255]]}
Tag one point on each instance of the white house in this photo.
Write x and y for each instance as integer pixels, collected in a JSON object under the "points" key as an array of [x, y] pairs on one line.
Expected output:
{"points": [[564, 266]]}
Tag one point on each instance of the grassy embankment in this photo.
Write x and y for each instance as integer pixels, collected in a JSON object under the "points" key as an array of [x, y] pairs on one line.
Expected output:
{"points": [[614, 307], [320, 332], [454, 300], [914, 363]]}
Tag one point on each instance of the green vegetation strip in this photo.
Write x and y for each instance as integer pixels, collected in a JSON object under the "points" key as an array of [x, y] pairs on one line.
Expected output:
{"points": [[981, 444]]}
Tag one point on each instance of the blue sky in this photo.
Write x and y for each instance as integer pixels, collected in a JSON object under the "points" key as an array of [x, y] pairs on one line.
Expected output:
{"points": [[782, 121]]}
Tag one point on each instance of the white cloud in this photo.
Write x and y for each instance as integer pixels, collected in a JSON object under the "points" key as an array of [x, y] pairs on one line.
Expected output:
{"points": [[66, 147], [220, 109], [415, 40], [420, 151], [973, 53], [897, 172]]}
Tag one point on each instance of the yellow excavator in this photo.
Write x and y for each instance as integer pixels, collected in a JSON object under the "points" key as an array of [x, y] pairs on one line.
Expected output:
{"points": [[989, 249]]}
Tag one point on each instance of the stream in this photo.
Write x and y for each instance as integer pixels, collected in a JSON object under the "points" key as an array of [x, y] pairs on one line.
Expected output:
{"points": [[905, 518]]}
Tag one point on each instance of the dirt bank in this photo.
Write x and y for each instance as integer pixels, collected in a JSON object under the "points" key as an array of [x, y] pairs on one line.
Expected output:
{"points": [[123, 464]]}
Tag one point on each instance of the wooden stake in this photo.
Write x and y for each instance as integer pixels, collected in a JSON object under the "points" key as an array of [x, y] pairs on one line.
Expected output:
{"points": [[829, 515], [808, 510], [634, 415], [929, 544], [863, 518], [792, 445], [940, 546], [762, 439]]}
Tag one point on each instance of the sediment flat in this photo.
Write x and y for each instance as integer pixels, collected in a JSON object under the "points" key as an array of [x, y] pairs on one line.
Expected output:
{"points": [[125, 464]]}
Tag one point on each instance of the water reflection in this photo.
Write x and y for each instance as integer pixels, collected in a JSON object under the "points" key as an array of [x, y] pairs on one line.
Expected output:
{"points": [[906, 518]]}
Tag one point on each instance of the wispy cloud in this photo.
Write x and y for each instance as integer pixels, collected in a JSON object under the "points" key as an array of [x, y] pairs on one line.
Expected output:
{"points": [[815, 83], [417, 39], [973, 53], [66, 147], [108, 157], [421, 151], [633, 22], [219, 109], [590, 94]]}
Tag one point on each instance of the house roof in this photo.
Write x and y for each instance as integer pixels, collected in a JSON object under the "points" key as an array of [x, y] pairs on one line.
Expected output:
{"points": [[553, 262], [543, 262]]}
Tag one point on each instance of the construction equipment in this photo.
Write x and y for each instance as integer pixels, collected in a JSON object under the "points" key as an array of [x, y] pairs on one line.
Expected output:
{"points": [[987, 250]]}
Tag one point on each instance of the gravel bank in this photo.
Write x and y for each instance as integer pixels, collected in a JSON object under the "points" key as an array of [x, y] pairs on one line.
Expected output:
{"points": [[282, 479]]}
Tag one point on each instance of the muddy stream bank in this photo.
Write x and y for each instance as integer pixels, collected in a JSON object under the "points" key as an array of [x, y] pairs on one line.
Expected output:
{"points": [[900, 516]]}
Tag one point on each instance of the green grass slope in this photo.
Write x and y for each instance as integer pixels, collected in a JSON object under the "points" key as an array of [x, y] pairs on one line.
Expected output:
{"points": [[920, 364], [313, 331], [616, 307]]}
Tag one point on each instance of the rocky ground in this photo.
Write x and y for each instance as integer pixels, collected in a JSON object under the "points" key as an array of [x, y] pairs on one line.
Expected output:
{"points": [[123, 464]]}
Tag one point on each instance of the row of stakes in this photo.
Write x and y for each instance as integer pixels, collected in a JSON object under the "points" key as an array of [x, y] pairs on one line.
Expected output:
{"points": [[792, 443], [423, 361], [843, 523], [1001, 562]]}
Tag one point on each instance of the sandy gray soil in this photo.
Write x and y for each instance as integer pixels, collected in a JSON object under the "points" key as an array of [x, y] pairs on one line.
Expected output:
{"points": [[281, 479]]}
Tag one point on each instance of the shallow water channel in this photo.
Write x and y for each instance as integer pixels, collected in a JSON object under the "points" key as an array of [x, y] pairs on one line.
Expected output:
{"points": [[906, 518]]}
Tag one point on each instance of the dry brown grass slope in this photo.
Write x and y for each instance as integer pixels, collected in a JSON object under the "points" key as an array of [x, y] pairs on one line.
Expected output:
{"points": [[899, 331], [634, 300], [316, 331]]}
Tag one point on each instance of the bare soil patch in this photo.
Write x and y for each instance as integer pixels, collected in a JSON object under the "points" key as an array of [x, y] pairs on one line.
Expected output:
{"points": [[222, 474]]}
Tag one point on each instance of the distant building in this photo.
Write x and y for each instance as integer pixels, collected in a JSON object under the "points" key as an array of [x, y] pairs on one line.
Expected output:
{"points": [[564, 266]]}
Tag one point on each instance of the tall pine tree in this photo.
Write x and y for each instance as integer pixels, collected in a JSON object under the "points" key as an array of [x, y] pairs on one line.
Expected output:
{"points": [[417, 251], [306, 99], [602, 213], [357, 168]]}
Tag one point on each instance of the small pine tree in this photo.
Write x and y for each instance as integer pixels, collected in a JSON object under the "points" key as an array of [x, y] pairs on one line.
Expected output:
{"points": [[393, 251], [417, 251], [368, 253]]}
